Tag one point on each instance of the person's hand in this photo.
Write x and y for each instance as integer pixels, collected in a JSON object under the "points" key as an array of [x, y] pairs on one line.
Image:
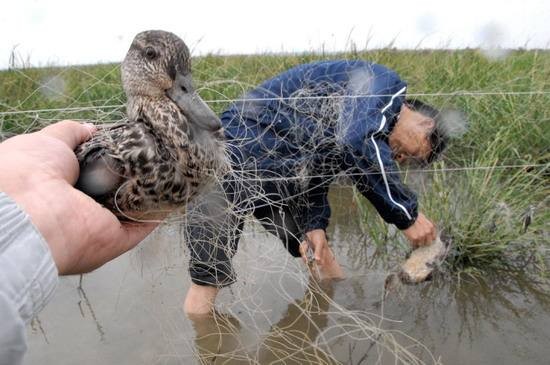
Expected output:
{"points": [[324, 258], [421, 233], [315, 240], [38, 172]]}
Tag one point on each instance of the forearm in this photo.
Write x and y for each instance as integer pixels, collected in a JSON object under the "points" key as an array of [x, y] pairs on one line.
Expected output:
{"points": [[402, 216], [28, 277], [378, 179]]}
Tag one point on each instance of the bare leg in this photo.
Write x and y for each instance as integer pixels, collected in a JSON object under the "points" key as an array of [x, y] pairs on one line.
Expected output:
{"points": [[213, 231], [200, 299]]}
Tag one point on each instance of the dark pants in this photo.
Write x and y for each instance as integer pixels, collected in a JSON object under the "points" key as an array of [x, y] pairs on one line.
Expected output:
{"points": [[215, 224]]}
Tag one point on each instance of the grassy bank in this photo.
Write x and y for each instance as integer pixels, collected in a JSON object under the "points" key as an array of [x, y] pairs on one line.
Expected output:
{"points": [[482, 207]]}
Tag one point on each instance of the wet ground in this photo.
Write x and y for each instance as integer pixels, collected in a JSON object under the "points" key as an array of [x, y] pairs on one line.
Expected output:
{"points": [[129, 311]]}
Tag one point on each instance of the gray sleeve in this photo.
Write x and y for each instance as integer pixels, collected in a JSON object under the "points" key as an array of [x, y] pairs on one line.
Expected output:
{"points": [[28, 277]]}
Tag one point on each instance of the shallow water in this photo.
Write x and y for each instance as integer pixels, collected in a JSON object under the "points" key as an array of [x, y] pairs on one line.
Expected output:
{"points": [[129, 311]]}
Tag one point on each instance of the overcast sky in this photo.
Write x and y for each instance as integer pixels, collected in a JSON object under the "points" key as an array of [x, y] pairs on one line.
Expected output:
{"points": [[72, 32]]}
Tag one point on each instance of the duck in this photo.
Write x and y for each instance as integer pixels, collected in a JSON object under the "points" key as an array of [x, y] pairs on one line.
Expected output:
{"points": [[168, 149]]}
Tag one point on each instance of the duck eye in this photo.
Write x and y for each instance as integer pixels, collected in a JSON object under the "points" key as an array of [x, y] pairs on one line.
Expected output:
{"points": [[150, 53]]}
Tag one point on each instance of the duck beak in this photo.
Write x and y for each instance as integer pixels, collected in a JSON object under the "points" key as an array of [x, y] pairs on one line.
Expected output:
{"points": [[191, 104]]}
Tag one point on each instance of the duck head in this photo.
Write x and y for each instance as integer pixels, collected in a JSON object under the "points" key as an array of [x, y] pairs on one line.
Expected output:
{"points": [[158, 64]]}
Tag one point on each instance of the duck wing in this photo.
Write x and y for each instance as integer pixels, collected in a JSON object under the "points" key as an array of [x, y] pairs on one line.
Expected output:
{"points": [[101, 170]]}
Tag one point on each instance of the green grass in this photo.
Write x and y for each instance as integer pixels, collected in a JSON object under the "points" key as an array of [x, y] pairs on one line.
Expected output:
{"points": [[482, 209]]}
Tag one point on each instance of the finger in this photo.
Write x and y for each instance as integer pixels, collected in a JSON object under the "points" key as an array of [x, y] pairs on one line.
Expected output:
{"points": [[303, 251], [421, 240], [319, 252], [69, 132], [426, 239], [134, 233], [430, 236]]}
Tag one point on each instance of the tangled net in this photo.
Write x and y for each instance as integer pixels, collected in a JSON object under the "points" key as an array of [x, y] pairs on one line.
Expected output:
{"points": [[314, 328]]}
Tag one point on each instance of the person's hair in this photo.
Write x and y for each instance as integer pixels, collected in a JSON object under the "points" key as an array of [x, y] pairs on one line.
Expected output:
{"points": [[438, 139]]}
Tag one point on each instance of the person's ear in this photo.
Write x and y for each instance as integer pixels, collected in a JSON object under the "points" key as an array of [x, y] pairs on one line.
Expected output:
{"points": [[429, 123]]}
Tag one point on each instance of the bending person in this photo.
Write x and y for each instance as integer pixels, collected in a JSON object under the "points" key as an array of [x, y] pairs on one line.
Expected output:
{"points": [[289, 139]]}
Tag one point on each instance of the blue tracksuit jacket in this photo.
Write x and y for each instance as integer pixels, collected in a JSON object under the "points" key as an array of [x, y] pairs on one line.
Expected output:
{"points": [[315, 121]]}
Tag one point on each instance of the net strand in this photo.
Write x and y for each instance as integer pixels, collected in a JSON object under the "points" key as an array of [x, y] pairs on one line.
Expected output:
{"points": [[294, 98], [446, 169]]}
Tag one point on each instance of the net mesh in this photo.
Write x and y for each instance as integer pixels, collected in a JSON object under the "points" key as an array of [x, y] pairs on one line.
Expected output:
{"points": [[274, 192]]}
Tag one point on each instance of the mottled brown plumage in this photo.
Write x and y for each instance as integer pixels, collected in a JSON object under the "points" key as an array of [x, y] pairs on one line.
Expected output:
{"points": [[170, 147]]}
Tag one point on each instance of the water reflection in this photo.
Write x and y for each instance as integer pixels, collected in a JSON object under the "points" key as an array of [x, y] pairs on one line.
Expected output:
{"points": [[292, 340], [274, 315]]}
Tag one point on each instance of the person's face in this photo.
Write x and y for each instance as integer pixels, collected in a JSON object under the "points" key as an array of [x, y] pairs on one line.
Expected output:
{"points": [[410, 139]]}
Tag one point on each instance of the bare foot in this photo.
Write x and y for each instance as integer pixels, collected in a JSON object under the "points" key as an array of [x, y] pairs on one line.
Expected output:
{"points": [[200, 299]]}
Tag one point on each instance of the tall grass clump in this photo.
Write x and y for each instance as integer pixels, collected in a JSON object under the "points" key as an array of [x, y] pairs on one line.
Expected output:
{"points": [[490, 193], [471, 194]]}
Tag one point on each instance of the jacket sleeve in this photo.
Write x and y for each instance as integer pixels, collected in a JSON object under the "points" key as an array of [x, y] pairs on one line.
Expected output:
{"points": [[318, 208], [28, 277], [377, 96], [395, 203]]}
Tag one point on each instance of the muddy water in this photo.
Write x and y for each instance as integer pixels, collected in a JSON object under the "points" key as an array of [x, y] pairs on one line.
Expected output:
{"points": [[129, 311]]}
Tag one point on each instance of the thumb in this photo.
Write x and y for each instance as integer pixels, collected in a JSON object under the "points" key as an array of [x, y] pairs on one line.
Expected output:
{"points": [[319, 252], [303, 251], [135, 233], [70, 132]]}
